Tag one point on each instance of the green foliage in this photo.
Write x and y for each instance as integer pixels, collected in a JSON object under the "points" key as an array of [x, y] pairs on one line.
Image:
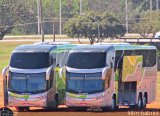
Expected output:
{"points": [[87, 26], [27, 13], [149, 23], [15, 12]]}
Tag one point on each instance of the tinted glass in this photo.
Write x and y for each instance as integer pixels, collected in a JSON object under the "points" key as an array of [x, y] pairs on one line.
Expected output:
{"points": [[18, 82], [93, 82], [149, 57], [36, 82], [75, 82], [93, 85], [87, 60], [84, 83], [27, 82], [29, 60]]}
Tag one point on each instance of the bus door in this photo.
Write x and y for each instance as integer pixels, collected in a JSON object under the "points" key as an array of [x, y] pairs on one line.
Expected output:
{"points": [[127, 82], [127, 93]]}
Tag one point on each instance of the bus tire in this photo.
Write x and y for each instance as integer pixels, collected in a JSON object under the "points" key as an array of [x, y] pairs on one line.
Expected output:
{"points": [[5, 98], [144, 102], [54, 105], [22, 109], [5, 101], [140, 102], [56, 102], [113, 106]]}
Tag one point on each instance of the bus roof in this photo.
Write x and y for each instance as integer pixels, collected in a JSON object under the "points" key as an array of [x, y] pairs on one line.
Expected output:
{"points": [[42, 47], [134, 47], [120, 43], [105, 47], [34, 48]]}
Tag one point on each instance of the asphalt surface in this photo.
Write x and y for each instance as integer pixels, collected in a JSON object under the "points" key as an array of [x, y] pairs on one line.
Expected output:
{"points": [[83, 112]]}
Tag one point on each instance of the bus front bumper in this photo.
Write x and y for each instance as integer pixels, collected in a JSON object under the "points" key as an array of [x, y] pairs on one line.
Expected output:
{"points": [[36, 100], [94, 100]]}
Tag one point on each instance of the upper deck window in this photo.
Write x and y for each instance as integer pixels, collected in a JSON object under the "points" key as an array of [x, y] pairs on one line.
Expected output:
{"points": [[87, 60], [29, 60]]}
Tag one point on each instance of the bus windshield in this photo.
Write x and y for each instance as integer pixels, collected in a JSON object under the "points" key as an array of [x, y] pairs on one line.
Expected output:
{"points": [[29, 60], [87, 60], [84, 83], [27, 82]]}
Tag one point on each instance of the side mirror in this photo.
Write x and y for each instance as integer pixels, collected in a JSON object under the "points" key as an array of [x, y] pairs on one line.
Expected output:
{"points": [[4, 72], [61, 71], [104, 72], [48, 72]]}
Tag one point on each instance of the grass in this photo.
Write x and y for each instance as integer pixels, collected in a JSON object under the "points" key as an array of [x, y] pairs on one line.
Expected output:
{"points": [[20, 37], [5, 51]]}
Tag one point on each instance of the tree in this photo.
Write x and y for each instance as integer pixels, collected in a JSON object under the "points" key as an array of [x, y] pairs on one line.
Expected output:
{"points": [[13, 11], [149, 23], [9, 13], [87, 26]]}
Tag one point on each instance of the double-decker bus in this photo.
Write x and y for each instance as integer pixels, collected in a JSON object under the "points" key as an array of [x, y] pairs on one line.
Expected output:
{"points": [[32, 77], [111, 75]]}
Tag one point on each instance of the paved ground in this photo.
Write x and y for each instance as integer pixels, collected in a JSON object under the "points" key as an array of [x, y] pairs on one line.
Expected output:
{"points": [[72, 112]]}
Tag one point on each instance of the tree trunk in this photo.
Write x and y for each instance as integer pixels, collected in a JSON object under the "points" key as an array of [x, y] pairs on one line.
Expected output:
{"points": [[79, 40], [91, 39], [1, 36], [4, 32]]}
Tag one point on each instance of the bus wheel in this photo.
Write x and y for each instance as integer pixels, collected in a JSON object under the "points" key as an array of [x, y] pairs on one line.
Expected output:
{"points": [[144, 102], [22, 109], [113, 107], [140, 102], [56, 102], [5, 98]]}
